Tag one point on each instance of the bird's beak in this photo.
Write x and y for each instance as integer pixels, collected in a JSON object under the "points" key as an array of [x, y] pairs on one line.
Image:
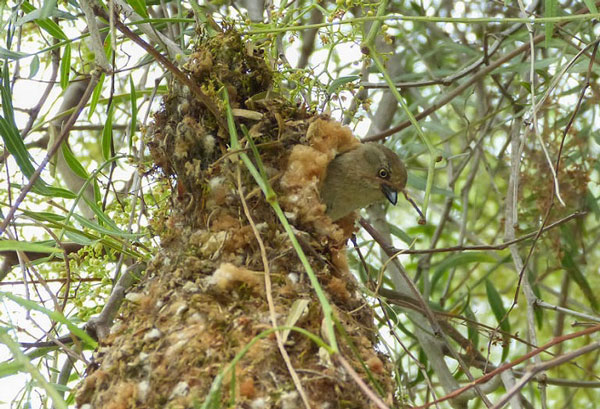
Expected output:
{"points": [[390, 193]]}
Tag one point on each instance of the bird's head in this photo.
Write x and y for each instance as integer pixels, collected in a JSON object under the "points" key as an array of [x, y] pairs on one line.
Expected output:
{"points": [[384, 169], [364, 175]]}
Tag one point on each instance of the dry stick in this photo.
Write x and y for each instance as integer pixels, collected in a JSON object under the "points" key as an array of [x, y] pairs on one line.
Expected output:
{"points": [[534, 120], [52, 151], [458, 90], [428, 313], [396, 298], [548, 306], [54, 280], [268, 292], [509, 365], [553, 194], [500, 246], [533, 370], [417, 295], [208, 103]]}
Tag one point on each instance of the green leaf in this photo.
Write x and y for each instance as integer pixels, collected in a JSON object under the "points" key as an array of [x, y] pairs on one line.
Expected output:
{"points": [[550, 8], [34, 67], [27, 366], [526, 85], [107, 134], [134, 109], [45, 216], [457, 260], [53, 315], [73, 163], [16, 245], [6, 98], [472, 332], [568, 262], [96, 96], [115, 231], [79, 239], [497, 306], [45, 24], [339, 82], [499, 311], [47, 8], [41, 188], [401, 234], [592, 203], [15, 146], [420, 183], [139, 6], [591, 5], [11, 55], [65, 66]]}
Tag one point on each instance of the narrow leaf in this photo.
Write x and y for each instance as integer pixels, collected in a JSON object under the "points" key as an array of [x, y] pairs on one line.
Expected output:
{"points": [[420, 183], [11, 55], [34, 67], [16, 245], [96, 96], [472, 332], [65, 66], [549, 11], [591, 5], [568, 262], [497, 306], [45, 24], [339, 82], [134, 109], [53, 315], [457, 260], [107, 134], [499, 311], [139, 6], [47, 8], [73, 163], [592, 203]]}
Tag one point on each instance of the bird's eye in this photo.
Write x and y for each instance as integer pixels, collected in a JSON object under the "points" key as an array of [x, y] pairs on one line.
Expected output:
{"points": [[383, 173]]}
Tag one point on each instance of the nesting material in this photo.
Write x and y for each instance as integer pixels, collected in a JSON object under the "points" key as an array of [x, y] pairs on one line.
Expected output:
{"points": [[228, 276], [306, 169]]}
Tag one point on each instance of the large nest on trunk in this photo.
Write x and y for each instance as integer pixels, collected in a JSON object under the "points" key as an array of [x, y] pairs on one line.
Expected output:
{"points": [[203, 297]]}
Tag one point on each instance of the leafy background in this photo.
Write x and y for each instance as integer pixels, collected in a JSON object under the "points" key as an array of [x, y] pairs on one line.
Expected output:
{"points": [[506, 108]]}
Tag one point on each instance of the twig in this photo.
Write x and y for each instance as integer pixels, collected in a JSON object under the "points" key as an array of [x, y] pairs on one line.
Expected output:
{"points": [[52, 151], [542, 304], [512, 364], [483, 247], [208, 103], [533, 370], [458, 90]]}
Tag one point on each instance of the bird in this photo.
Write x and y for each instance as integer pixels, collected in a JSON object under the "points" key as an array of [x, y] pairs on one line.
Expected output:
{"points": [[364, 175]]}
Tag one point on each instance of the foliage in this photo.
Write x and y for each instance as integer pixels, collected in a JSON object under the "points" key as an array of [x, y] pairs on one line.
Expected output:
{"points": [[493, 113]]}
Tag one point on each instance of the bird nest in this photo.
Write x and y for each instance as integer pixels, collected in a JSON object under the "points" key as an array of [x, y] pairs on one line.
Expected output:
{"points": [[204, 295]]}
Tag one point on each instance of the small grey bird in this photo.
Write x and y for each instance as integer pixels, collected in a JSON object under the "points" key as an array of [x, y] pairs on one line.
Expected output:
{"points": [[364, 175]]}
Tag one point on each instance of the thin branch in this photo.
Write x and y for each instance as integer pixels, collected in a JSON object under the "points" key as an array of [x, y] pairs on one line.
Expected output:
{"points": [[52, 151], [514, 363]]}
